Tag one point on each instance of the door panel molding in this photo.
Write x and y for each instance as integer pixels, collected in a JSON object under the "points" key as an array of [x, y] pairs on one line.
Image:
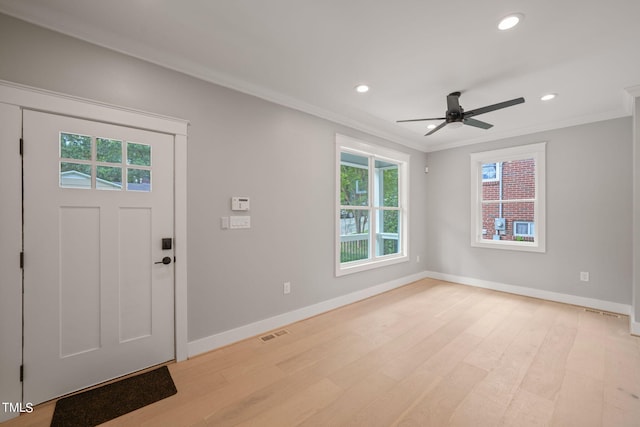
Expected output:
{"points": [[94, 252]]}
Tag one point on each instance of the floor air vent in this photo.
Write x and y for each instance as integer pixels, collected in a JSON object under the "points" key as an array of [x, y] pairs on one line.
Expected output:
{"points": [[273, 335], [602, 313]]}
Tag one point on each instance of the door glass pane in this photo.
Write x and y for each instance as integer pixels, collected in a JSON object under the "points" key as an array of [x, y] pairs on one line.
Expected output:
{"points": [[354, 180], [108, 178], [388, 236], [354, 234], [74, 146], [75, 175], [138, 179], [387, 183], [138, 154], [109, 150]]}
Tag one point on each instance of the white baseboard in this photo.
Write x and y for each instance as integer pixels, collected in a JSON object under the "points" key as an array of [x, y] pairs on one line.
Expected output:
{"points": [[256, 328], [634, 325], [602, 305], [231, 336]]}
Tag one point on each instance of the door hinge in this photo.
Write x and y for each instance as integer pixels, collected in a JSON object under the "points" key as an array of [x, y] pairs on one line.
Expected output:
{"points": [[21, 146], [21, 373], [21, 259]]}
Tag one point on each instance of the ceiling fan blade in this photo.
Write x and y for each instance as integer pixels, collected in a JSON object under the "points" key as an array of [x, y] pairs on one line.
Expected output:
{"points": [[493, 107], [420, 120], [453, 102], [477, 123], [440, 126]]}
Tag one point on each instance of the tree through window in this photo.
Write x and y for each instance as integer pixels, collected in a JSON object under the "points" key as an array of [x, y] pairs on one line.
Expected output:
{"points": [[372, 205]]}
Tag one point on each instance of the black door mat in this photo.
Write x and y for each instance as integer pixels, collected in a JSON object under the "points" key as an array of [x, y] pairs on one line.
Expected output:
{"points": [[110, 401]]}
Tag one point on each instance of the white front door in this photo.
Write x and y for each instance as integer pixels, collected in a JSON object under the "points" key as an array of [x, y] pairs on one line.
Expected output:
{"points": [[98, 301]]}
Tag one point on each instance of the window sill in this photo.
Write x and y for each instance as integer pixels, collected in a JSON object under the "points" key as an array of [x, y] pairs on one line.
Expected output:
{"points": [[509, 245], [343, 269]]}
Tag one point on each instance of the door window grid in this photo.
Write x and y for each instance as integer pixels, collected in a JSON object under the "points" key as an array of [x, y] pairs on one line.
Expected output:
{"points": [[88, 162]]}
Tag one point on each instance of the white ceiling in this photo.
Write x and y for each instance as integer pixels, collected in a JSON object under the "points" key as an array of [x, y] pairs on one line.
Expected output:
{"points": [[310, 54]]}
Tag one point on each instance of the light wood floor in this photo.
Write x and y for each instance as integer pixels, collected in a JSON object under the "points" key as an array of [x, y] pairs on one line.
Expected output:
{"points": [[429, 354]]}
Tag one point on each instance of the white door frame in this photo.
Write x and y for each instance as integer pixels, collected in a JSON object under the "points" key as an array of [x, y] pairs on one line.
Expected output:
{"points": [[56, 103]]}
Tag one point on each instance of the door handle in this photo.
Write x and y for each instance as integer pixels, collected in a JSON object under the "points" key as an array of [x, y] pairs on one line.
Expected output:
{"points": [[166, 260]]}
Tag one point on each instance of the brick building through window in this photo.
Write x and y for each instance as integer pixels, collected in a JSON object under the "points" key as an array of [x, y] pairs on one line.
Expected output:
{"points": [[511, 186]]}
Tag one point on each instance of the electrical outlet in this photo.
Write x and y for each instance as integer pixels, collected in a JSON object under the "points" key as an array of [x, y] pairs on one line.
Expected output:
{"points": [[418, 258], [584, 276], [286, 288]]}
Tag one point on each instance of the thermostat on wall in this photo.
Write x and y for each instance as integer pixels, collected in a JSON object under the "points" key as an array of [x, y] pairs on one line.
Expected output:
{"points": [[239, 203]]}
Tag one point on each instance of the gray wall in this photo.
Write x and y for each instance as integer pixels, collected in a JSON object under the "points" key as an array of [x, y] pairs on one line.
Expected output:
{"points": [[589, 206], [284, 160], [238, 145]]}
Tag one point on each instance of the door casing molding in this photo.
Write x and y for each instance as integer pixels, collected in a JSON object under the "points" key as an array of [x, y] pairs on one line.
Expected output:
{"points": [[26, 97]]}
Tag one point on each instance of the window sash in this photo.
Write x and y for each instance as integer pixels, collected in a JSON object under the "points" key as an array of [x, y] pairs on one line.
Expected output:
{"points": [[375, 207], [531, 151], [376, 235]]}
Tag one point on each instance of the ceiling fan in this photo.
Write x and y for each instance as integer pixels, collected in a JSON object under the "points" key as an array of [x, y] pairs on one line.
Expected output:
{"points": [[455, 113]]}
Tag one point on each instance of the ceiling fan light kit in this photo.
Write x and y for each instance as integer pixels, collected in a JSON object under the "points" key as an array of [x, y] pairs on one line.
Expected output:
{"points": [[455, 114]]}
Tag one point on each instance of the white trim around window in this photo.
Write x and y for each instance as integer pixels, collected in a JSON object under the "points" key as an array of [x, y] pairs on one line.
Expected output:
{"points": [[372, 153], [532, 151]]}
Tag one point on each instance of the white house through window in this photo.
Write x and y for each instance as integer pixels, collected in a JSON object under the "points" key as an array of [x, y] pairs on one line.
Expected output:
{"points": [[89, 162]]}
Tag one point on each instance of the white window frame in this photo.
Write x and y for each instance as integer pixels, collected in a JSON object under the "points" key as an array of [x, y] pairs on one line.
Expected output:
{"points": [[498, 172], [373, 153], [530, 225], [538, 153]]}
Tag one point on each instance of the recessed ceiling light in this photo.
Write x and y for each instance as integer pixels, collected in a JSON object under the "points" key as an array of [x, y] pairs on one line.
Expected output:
{"points": [[362, 88], [510, 21], [548, 96], [431, 127]]}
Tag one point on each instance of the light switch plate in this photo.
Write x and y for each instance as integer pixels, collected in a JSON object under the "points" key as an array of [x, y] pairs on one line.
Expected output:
{"points": [[236, 222]]}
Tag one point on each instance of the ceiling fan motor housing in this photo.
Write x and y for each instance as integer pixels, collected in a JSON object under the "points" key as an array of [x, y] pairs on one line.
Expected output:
{"points": [[455, 116], [455, 113]]}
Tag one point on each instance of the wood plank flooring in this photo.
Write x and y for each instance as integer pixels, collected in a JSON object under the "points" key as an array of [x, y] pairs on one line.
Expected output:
{"points": [[431, 353]]}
